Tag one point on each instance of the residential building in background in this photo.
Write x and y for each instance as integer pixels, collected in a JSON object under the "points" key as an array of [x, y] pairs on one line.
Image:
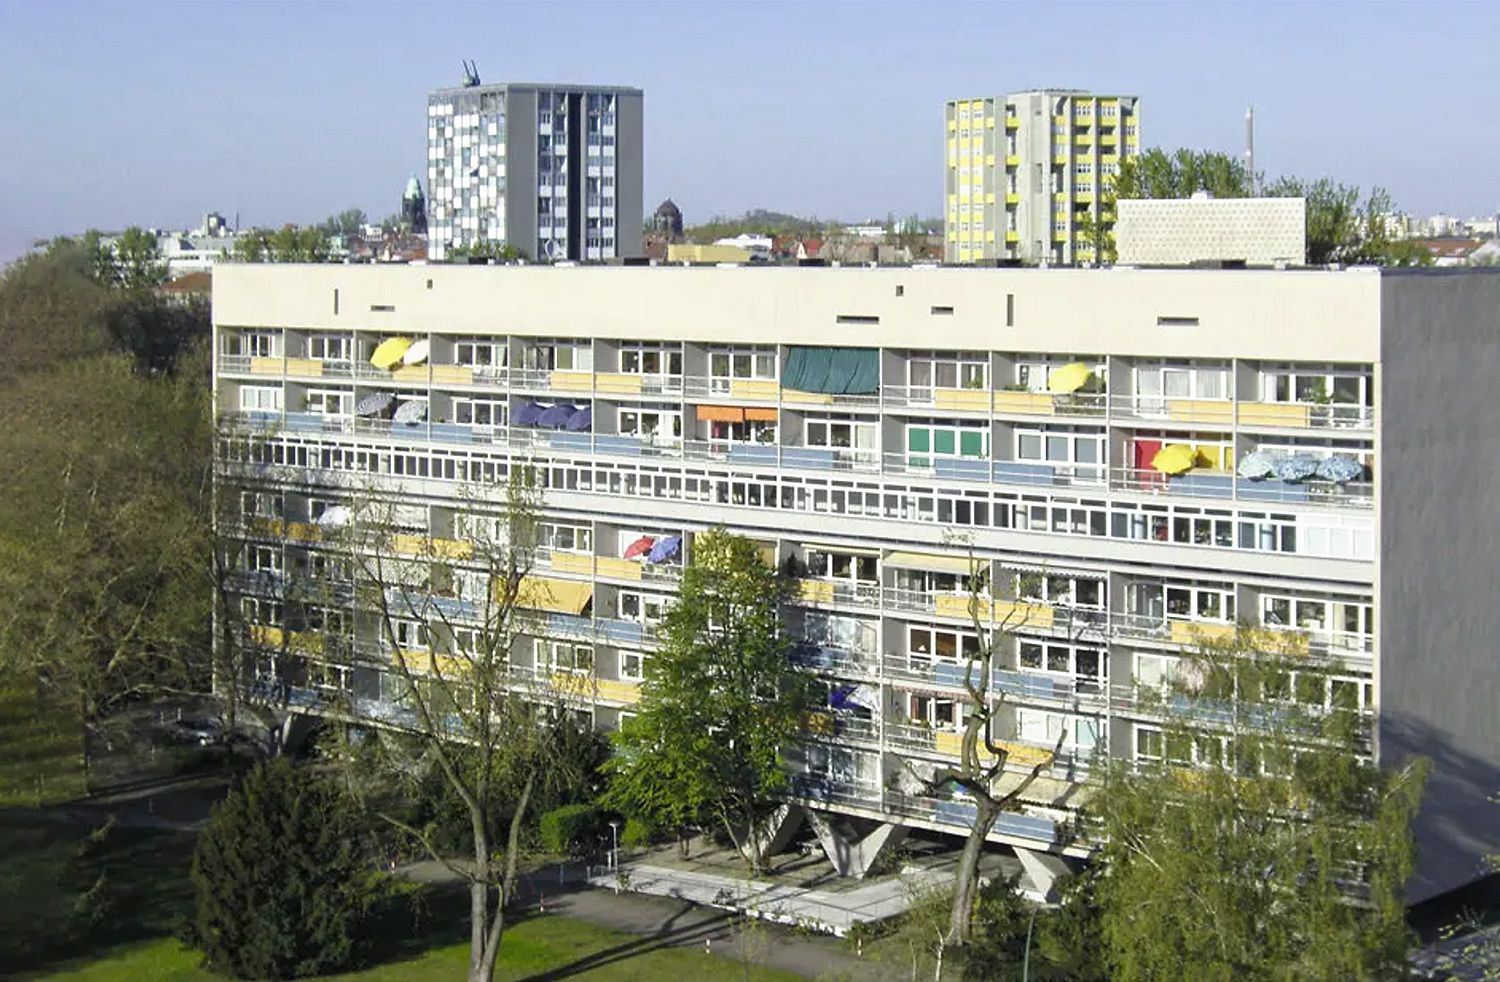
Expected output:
{"points": [[553, 170], [1139, 459], [1178, 231], [1024, 173]]}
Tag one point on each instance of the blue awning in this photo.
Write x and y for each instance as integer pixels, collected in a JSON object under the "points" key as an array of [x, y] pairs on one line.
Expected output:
{"points": [[557, 417], [837, 371]]}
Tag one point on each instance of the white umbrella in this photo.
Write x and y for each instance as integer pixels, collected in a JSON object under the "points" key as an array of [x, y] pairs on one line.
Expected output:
{"points": [[335, 517], [411, 411], [417, 353]]}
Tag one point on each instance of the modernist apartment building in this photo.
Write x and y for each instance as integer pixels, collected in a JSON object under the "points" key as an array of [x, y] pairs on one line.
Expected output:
{"points": [[874, 429], [1024, 170], [554, 170]]}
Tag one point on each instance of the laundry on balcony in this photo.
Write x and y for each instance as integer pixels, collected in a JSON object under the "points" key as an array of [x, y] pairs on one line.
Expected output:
{"points": [[525, 414], [665, 549], [1069, 378], [388, 353], [639, 547], [411, 411], [374, 404], [581, 421], [958, 565], [1174, 458], [557, 417], [833, 371]]}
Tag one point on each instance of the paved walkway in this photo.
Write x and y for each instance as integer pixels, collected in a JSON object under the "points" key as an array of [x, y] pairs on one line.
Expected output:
{"points": [[662, 921]]}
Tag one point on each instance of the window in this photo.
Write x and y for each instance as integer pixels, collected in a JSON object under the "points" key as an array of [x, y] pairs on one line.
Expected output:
{"points": [[1061, 590], [479, 412], [1155, 671], [938, 712], [1167, 380], [643, 608], [947, 370], [1078, 446], [659, 426], [1084, 665], [923, 643], [260, 398], [329, 402], [564, 656], [849, 566], [257, 610], [1032, 371], [1079, 734], [1319, 384], [1200, 602], [253, 344], [972, 442], [633, 665], [842, 433], [481, 354], [561, 356], [261, 504], [566, 538], [407, 633], [330, 347], [839, 631], [757, 362], [651, 359]]}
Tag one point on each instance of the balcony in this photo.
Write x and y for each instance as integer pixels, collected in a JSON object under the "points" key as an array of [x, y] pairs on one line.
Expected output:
{"points": [[962, 813], [843, 727], [934, 397], [998, 471], [815, 591], [1306, 415], [1174, 631], [1217, 413], [835, 661], [795, 397], [1010, 402], [927, 671], [831, 459], [719, 388], [630, 385], [1227, 485]]}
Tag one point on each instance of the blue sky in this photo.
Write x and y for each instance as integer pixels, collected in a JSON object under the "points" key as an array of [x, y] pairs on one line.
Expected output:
{"points": [[123, 113]]}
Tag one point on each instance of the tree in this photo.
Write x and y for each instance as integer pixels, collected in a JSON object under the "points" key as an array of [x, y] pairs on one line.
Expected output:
{"points": [[280, 879], [1341, 229], [720, 703], [137, 260], [983, 759], [252, 246], [290, 244], [462, 710], [1181, 174], [348, 223], [503, 251], [1264, 843]]}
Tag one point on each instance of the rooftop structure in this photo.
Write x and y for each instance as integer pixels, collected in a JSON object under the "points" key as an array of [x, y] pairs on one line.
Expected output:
{"points": [[1180, 231]]}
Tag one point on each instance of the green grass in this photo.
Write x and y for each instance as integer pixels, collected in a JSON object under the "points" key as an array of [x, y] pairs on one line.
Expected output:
{"points": [[41, 752], [543, 947]]}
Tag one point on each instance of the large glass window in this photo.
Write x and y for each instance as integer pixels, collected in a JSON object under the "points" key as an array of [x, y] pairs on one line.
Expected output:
{"points": [[651, 359], [658, 426], [926, 370], [479, 412], [330, 347], [751, 363], [564, 656], [837, 565], [260, 398], [481, 354]]}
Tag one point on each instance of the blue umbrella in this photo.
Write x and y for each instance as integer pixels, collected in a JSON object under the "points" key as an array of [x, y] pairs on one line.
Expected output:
{"points": [[1339, 468], [525, 414], [581, 420], [1256, 465], [374, 404], [557, 417], [665, 549], [1296, 467], [838, 697]]}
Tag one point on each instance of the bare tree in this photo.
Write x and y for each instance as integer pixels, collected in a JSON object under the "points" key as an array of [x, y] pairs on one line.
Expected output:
{"points": [[493, 735], [983, 759]]}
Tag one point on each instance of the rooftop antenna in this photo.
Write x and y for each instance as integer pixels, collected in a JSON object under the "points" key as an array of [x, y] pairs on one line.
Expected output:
{"points": [[471, 74], [1250, 148]]}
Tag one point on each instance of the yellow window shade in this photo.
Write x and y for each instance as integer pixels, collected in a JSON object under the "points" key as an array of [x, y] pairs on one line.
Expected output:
{"points": [[559, 596], [929, 561]]}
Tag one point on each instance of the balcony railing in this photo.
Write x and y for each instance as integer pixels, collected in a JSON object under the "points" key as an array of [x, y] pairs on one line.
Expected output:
{"points": [[835, 661], [1306, 415], [924, 670], [812, 590], [1218, 413], [1226, 485], [1011, 402]]}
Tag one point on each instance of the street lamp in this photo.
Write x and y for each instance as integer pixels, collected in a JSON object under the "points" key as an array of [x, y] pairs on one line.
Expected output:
{"points": [[614, 831]]}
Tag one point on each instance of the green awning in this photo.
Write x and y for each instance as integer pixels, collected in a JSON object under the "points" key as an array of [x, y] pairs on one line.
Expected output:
{"points": [[837, 371]]}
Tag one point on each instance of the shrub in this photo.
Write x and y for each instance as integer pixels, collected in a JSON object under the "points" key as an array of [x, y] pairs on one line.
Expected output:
{"points": [[637, 833], [281, 887], [572, 829]]}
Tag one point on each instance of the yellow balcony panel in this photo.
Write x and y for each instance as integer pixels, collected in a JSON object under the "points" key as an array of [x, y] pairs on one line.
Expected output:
{"points": [[1013, 122], [262, 634], [753, 390], [989, 235], [957, 605], [1024, 755], [1016, 614], [964, 255], [618, 383], [303, 531], [989, 197], [965, 198], [810, 398], [1060, 158], [815, 591], [973, 400], [952, 200], [552, 594], [578, 685], [619, 569], [1012, 160], [618, 690], [304, 367], [1084, 197], [308, 642], [952, 125], [573, 562], [1010, 237], [410, 373], [989, 160], [1060, 120], [1109, 139], [1213, 411], [1274, 414], [1185, 632], [265, 366], [572, 381], [1083, 140], [452, 375], [417, 545], [989, 122], [820, 723], [1013, 198], [1059, 236]]}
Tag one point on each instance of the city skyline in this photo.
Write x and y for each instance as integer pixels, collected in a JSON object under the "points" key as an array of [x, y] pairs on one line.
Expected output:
{"points": [[152, 118]]}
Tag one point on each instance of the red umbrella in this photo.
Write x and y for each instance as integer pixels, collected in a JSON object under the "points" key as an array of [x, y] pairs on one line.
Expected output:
{"points": [[639, 547]]}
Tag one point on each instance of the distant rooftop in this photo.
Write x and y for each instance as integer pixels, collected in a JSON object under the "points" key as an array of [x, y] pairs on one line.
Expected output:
{"points": [[536, 87]]}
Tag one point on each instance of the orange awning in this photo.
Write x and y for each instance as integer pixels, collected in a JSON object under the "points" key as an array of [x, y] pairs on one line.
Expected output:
{"points": [[721, 414], [757, 415]]}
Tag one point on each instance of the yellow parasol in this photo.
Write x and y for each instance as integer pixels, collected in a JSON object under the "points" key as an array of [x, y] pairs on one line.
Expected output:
{"points": [[388, 355], [1069, 378], [1175, 458]]}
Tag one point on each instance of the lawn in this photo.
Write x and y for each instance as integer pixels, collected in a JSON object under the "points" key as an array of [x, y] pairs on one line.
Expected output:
{"points": [[540, 948], [41, 752]]}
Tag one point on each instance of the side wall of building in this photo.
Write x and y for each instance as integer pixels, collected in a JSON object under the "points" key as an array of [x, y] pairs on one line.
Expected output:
{"points": [[1439, 594], [630, 200]]}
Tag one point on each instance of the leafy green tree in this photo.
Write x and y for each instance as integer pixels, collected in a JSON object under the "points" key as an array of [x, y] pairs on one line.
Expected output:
{"points": [[290, 244], [1343, 229], [349, 223], [1264, 844], [1180, 174], [1002, 921], [282, 884], [253, 246], [137, 260], [502, 251], [720, 703]]}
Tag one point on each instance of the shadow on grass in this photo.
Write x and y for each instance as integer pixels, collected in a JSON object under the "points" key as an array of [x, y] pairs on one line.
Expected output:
{"points": [[670, 934]]}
